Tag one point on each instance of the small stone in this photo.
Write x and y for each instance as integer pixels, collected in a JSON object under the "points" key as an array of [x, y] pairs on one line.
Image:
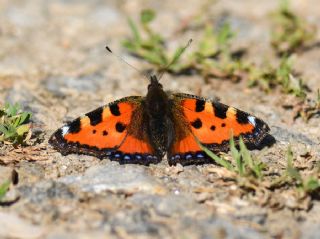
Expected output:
{"points": [[202, 197], [173, 170], [116, 178], [12, 226], [288, 136]]}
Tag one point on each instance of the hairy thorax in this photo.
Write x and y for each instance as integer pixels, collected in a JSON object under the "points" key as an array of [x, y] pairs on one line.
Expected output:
{"points": [[160, 125]]}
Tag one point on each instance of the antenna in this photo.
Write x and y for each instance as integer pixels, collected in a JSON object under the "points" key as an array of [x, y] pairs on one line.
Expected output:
{"points": [[123, 60], [174, 60]]}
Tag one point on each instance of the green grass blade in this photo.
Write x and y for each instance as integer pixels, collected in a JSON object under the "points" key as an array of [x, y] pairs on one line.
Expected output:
{"points": [[245, 154], [3, 129], [311, 185], [24, 117], [179, 52], [291, 170], [135, 32], [224, 35], [4, 187], [236, 156], [22, 129], [147, 16], [12, 110], [222, 162]]}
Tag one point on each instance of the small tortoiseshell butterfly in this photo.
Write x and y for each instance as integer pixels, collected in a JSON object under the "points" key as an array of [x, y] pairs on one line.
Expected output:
{"points": [[142, 130]]}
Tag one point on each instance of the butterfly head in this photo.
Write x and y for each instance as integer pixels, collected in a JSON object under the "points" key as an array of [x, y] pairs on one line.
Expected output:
{"points": [[154, 83]]}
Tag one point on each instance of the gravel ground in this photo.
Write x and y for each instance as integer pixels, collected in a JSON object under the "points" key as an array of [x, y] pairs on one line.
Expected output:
{"points": [[53, 61]]}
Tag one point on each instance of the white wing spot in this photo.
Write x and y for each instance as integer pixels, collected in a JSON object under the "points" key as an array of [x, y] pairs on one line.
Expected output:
{"points": [[65, 130], [252, 120]]}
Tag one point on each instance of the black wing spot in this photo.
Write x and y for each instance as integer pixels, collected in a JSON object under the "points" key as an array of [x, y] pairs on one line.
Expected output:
{"points": [[200, 104], [114, 109], [120, 127], [223, 125], [220, 110], [74, 126], [213, 128], [242, 118], [104, 133], [197, 124], [94, 131], [95, 116]]}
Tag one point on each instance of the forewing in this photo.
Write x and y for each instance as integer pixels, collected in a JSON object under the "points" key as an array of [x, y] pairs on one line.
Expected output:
{"points": [[212, 124], [113, 130]]}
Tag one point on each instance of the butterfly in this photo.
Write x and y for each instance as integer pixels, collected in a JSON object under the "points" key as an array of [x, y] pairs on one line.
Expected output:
{"points": [[142, 130]]}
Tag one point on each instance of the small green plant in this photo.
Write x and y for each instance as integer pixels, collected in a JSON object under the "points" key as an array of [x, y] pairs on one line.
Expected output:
{"points": [[212, 57], [150, 46], [220, 161], [246, 166], [282, 76], [4, 187], [243, 164], [290, 32], [13, 124], [307, 185]]}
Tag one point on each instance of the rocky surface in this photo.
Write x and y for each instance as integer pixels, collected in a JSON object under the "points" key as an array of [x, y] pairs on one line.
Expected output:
{"points": [[52, 61]]}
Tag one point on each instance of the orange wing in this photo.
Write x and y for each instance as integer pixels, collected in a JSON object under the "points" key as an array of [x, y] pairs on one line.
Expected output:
{"points": [[115, 130], [211, 123]]}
